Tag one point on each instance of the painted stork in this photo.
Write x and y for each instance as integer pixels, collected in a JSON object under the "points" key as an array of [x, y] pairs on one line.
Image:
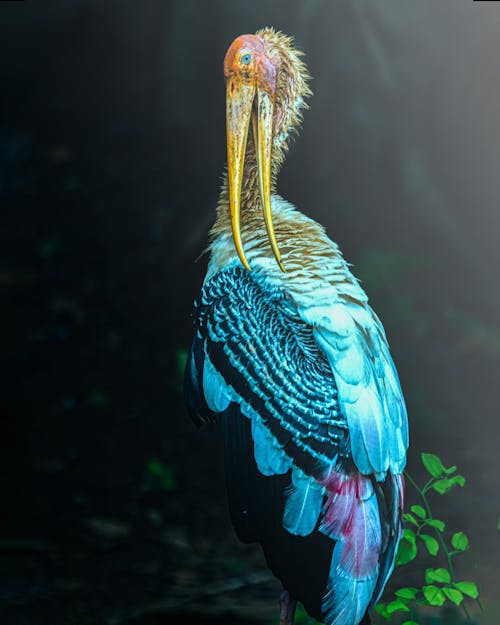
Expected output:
{"points": [[294, 365]]}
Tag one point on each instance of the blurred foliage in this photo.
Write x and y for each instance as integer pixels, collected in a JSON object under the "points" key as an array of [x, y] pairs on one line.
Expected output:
{"points": [[181, 359], [378, 269], [47, 248], [97, 398], [162, 475]]}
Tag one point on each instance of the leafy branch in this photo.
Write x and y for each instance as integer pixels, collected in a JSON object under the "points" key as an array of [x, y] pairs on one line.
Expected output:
{"points": [[423, 529]]}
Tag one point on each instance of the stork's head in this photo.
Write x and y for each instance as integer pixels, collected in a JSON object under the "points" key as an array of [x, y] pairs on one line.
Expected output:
{"points": [[266, 82]]}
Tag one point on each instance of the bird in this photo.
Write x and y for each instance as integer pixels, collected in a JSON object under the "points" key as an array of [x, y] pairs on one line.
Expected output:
{"points": [[291, 362]]}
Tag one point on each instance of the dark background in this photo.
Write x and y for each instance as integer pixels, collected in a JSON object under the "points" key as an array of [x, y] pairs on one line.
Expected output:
{"points": [[111, 151]]}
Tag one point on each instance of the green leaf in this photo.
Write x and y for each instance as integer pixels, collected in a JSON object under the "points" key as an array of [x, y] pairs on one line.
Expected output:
{"points": [[437, 524], [468, 588], [459, 541], [397, 606], [409, 623], [433, 464], [409, 535], [381, 608], [302, 617], [407, 593], [498, 524], [419, 511], [406, 552], [409, 517], [458, 479], [434, 595], [450, 470], [431, 544], [454, 595], [443, 486], [437, 575], [447, 483]]}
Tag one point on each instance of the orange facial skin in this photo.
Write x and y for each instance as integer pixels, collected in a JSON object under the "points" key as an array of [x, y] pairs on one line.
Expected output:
{"points": [[247, 61]]}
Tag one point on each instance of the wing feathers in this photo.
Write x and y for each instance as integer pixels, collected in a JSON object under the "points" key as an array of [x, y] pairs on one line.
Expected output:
{"points": [[217, 392], [303, 504], [263, 354], [368, 388], [269, 456]]}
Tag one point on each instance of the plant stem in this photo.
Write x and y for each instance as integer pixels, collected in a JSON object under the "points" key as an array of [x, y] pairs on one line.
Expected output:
{"points": [[427, 486], [436, 531], [440, 538]]}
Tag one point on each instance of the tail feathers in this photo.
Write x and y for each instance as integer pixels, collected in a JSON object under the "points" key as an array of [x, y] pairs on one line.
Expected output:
{"points": [[390, 494], [303, 504], [351, 517], [346, 599]]}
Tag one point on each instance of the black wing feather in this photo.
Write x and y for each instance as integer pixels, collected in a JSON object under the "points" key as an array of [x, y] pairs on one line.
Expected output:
{"points": [[194, 397]]}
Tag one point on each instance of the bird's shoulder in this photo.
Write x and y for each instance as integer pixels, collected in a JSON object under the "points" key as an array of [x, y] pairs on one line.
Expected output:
{"points": [[316, 270]]}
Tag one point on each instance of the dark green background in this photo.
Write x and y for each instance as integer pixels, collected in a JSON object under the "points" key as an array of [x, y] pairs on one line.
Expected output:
{"points": [[111, 151]]}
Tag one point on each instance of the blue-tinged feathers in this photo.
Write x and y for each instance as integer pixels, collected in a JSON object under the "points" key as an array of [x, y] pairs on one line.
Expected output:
{"points": [[346, 599], [217, 392], [260, 354], [310, 398], [269, 455], [352, 518], [368, 387], [303, 503]]}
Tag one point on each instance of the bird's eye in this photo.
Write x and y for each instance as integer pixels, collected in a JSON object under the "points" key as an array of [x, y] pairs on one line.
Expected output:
{"points": [[246, 58]]}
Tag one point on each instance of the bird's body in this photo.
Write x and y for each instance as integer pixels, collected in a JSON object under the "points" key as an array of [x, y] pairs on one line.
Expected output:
{"points": [[294, 365]]}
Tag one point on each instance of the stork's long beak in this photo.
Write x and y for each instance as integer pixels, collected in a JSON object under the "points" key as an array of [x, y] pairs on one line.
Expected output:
{"points": [[239, 105]]}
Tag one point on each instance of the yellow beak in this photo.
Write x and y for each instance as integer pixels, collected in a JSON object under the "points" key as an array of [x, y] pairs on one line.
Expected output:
{"points": [[239, 105]]}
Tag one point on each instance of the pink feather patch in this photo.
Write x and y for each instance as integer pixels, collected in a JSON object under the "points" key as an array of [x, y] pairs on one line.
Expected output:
{"points": [[401, 485], [351, 516]]}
